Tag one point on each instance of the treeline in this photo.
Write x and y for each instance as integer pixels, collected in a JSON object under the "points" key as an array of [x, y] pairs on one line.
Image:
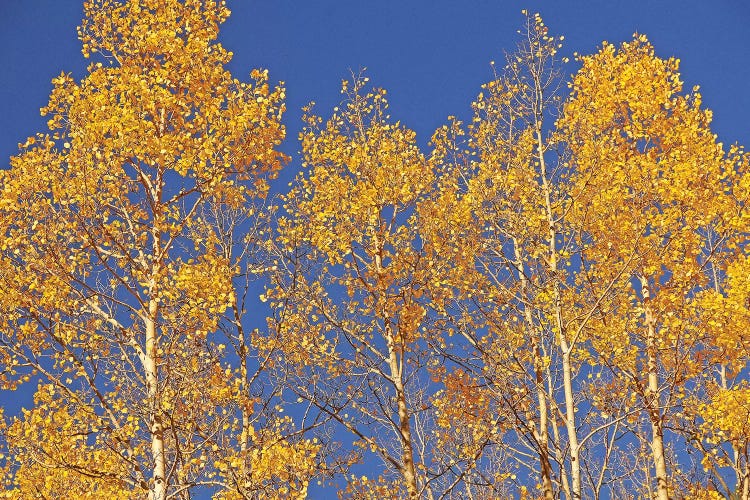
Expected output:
{"points": [[550, 301]]}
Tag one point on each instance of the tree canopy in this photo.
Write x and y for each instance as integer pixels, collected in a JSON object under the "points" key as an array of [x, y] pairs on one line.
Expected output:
{"points": [[549, 300]]}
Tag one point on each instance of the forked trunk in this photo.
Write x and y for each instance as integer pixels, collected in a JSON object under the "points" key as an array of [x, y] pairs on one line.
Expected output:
{"points": [[541, 434]]}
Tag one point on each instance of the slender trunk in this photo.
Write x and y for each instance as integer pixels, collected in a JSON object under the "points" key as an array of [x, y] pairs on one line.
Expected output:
{"points": [[660, 465], [652, 402], [157, 429], [404, 426], [570, 424], [396, 373], [245, 432], [159, 491], [570, 406], [541, 435], [564, 482]]}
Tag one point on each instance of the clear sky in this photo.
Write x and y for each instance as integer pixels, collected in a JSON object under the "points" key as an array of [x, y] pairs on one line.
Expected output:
{"points": [[431, 55]]}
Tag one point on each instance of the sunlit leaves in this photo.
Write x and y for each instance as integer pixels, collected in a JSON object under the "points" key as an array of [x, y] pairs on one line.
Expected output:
{"points": [[650, 185], [369, 263], [116, 283], [512, 309]]}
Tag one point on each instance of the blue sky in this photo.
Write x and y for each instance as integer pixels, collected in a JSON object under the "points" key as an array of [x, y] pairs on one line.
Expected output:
{"points": [[431, 55]]}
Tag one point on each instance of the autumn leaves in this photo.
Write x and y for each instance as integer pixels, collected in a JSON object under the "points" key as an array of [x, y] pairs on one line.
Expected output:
{"points": [[531, 290], [126, 272], [550, 302]]}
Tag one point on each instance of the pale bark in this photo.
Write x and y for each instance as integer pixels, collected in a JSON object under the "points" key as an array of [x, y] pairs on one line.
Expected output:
{"points": [[565, 347], [404, 425], [564, 481], [570, 424], [396, 375], [652, 401], [541, 434], [159, 474], [245, 432], [157, 429]]}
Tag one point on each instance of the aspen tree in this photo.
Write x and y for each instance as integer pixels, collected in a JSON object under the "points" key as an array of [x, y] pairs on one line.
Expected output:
{"points": [[114, 285], [648, 170], [517, 187], [361, 284]]}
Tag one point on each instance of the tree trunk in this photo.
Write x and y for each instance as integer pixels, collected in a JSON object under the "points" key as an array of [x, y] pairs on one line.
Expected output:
{"points": [[404, 426], [652, 398], [660, 465], [570, 424], [542, 433], [559, 455], [242, 352], [543, 438], [159, 475], [565, 348], [158, 492]]}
